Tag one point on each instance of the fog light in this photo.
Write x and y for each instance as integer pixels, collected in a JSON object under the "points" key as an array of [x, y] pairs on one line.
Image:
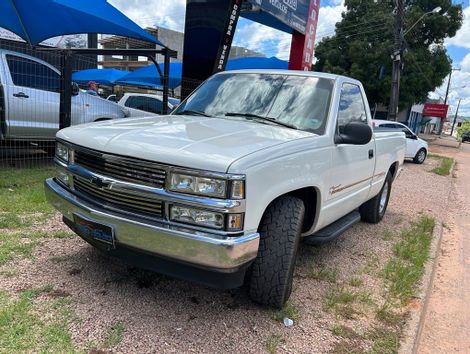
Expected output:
{"points": [[235, 222], [197, 217], [63, 177]]}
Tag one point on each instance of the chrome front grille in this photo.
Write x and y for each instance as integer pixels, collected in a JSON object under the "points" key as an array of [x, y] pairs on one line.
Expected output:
{"points": [[122, 168], [119, 200]]}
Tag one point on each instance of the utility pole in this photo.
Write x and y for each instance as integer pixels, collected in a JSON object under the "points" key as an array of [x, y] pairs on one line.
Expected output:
{"points": [[396, 57], [441, 126], [455, 117]]}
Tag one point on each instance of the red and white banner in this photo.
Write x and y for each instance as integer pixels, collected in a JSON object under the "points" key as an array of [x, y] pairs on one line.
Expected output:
{"points": [[310, 34], [435, 110]]}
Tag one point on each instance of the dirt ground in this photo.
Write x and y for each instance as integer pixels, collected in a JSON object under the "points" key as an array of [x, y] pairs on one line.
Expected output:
{"points": [[447, 319], [172, 316]]}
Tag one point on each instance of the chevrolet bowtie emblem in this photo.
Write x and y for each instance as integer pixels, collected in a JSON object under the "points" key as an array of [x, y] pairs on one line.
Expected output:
{"points": [[98, 182]]}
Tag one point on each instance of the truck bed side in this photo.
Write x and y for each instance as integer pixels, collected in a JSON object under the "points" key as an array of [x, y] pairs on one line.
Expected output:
{"points": [[390, 147]]}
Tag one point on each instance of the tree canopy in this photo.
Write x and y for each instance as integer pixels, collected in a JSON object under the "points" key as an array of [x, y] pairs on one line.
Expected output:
{"points": [[363, 44]]}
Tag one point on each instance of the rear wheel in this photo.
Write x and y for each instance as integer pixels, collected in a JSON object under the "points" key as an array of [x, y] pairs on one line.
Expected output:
{"points": [[273, 269], [374, 210], [420, 156]]}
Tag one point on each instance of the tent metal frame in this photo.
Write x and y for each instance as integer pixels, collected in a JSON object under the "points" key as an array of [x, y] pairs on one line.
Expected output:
{"points": [[66, 68]]}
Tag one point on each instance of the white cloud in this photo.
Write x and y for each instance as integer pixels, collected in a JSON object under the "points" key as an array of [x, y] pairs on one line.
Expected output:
{"points": [[327, 19], [165, 13], [461, 39], [262, 38]]}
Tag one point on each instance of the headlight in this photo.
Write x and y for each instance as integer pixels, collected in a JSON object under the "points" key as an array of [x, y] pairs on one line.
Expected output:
{"points": [[62, 152], [197, 217], [211, 187]]}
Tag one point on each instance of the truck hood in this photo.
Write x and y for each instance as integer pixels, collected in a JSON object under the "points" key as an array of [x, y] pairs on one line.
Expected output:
{"points": [[187, 141]]}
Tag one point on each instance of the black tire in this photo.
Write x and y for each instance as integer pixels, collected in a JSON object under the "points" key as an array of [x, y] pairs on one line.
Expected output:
{"points": [[273, 269], [373, 211], [420, 156]]}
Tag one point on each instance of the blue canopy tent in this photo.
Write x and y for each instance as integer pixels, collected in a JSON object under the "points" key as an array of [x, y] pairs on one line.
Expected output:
{"points": [[256, 63], [148, 76], [107, 77], [38, 20]]}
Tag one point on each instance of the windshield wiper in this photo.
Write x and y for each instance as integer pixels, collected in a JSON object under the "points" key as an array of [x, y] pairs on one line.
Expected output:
{"points": [[255, 116], [194, 113]]}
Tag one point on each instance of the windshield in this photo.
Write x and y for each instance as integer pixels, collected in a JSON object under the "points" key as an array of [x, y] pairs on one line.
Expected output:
{"points": [[297, 101]]}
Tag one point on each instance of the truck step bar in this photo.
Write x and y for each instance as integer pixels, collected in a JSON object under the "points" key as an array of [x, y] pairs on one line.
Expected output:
{"points": [[334, 230]]}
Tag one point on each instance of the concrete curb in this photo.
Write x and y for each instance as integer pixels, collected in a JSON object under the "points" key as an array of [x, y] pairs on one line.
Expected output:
{"points": [[414, 325]]}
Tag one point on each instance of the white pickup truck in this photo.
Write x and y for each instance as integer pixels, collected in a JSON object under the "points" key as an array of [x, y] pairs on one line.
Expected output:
{"points": [[30, 100], [223, 190]]}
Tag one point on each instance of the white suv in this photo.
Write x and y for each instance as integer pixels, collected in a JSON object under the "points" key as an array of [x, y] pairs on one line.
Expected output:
{"points": [[416, 148]]}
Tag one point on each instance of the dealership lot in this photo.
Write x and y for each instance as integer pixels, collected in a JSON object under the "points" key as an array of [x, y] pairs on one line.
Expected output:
{"points": [[111, 306]]}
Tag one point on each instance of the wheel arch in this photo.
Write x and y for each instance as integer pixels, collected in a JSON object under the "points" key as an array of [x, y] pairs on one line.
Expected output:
{"points": [[311, 198], [394, 169]]}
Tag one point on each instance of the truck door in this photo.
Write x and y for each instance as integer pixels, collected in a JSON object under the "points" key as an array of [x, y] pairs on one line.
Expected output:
{"points": [[33, 99], [352, 165]]}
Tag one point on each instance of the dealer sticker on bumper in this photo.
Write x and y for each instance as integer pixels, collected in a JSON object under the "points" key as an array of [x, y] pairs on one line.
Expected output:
{"points": [[93, 230]]}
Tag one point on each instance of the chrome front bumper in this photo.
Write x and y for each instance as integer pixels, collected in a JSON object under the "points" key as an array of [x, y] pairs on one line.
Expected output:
{"points": [[205, 250]]}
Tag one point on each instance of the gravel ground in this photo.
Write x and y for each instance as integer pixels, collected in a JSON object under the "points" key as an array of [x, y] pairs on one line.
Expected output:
{"points": [[171, 316]]}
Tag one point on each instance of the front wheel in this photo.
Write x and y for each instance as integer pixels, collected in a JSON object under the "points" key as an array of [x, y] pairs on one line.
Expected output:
{"points": [[373, 210], [273, 269], [420, 156]]}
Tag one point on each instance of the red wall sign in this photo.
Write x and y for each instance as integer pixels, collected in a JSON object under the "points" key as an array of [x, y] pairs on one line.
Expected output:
{"points": [[435, 110]]}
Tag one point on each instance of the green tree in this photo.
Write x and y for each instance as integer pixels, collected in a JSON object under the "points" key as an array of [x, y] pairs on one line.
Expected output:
{"points": [[465, 127], [363, 44]]}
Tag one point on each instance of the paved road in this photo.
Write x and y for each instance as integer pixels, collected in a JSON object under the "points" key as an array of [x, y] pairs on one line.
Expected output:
{"points": [[447, 319]]}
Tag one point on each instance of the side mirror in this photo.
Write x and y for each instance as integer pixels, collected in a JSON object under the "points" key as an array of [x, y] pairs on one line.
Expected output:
{"points": [[354, 133], [75, 89]]}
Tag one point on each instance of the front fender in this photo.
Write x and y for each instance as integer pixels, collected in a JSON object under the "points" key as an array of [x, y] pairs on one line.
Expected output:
{"points": [[282, 172]]}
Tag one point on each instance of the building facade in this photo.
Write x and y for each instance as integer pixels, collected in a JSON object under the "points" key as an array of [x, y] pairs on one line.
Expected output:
{"points": [[172, 39]]}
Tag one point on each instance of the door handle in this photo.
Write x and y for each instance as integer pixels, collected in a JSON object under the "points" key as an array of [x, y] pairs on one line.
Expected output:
{"points": [[20, 95], [371, 154]]}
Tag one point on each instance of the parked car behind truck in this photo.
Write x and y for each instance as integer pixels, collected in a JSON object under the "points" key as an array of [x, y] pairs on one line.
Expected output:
{"points": [[416, 148], [223, 190], [30, 100]]}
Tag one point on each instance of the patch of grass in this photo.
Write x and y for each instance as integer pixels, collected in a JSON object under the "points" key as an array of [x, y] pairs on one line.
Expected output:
{"points": [[385, 341], [339, 296], [62, 234], [21, 190], [345, 332], [403, 272], [289, 310], [346, 347], [23, 330], [13, 221], [322, 273], [115, 334], [386, 315], [445, 165], [356, 282], [14, 244], [8, 273], [271, 344], [10, 248]]}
